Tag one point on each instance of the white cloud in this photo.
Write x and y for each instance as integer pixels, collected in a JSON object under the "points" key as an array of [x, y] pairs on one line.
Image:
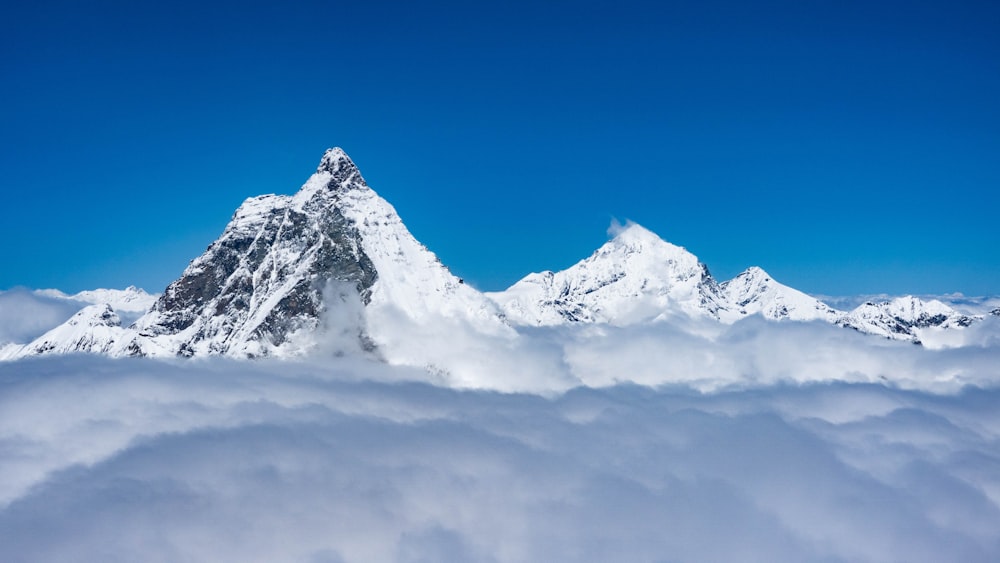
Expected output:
{"points": [[617, 227], [679, 441], [347, 461], [25, 315], [703, 354]]}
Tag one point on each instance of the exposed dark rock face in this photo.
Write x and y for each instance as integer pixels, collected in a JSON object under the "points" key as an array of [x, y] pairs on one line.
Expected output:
{"points": [[264, 278]]}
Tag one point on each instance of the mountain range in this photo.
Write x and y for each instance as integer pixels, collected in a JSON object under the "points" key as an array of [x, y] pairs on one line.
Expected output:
{"points": [[334, 267]]}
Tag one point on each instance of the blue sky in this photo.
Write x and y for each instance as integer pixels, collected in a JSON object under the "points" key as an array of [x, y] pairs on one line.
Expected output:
{"points": [[845, 147]]}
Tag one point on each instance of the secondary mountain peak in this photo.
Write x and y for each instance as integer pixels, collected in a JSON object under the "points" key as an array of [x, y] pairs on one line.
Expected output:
{"points": [[633, 277], [753, 291], [755, 272], [904, 318]]}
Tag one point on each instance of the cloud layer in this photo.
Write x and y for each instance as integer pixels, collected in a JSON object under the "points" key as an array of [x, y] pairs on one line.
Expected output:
{"points": [[354, 461], [702, 354], [26, 314]]}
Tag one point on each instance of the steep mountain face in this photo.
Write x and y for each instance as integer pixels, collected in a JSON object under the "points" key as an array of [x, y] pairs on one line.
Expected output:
{"points": [[262, 281], [903, 318], [285, 263], [264, 286], [634, 277]]}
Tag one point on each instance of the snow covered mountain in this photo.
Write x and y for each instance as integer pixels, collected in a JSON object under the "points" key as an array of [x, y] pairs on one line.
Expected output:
{"points": [[754, 292], [334, 266], [282, 266], [94, 329], [903, 318], [638, 277]]}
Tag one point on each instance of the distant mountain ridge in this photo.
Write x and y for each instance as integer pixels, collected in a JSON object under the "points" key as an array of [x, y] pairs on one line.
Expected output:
{"points": [[129, 300], [335, 253], [638, 277]]}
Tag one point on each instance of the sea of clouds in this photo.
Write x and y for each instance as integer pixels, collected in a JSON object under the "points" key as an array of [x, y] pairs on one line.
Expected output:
{"points": [[756, 442]]}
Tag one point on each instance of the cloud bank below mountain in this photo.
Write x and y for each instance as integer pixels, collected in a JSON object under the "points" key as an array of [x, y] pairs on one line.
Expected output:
{"points": [[705, 355], [120, 460]]}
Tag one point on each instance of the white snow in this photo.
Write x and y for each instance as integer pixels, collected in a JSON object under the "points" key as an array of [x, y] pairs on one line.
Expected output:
{"points": [[754, 292]]}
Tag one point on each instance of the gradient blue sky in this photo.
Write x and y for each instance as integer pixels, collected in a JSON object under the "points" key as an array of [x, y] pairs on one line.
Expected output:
{"points": [[845, 147]]}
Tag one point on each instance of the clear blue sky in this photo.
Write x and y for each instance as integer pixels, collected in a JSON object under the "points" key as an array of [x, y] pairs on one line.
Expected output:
{"points": [[845, 147]]}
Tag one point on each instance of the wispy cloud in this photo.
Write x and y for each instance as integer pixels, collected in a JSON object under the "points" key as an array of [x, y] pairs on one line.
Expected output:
{"points": [[25, 314]]}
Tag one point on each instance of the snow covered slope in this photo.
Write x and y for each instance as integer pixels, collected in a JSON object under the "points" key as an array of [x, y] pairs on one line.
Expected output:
{"points": [[903, 318], [754, 292]]}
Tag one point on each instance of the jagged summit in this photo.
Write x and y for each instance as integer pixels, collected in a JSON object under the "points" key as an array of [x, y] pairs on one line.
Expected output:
{"points": [[340, 167], [260, 288], [285, 264], [332, 159]]}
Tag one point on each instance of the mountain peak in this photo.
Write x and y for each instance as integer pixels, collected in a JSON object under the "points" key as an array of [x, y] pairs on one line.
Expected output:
{"points": [[335, 176], [633, 239], [335, 159], [754, 272], [635, 276], [754, 292]]}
